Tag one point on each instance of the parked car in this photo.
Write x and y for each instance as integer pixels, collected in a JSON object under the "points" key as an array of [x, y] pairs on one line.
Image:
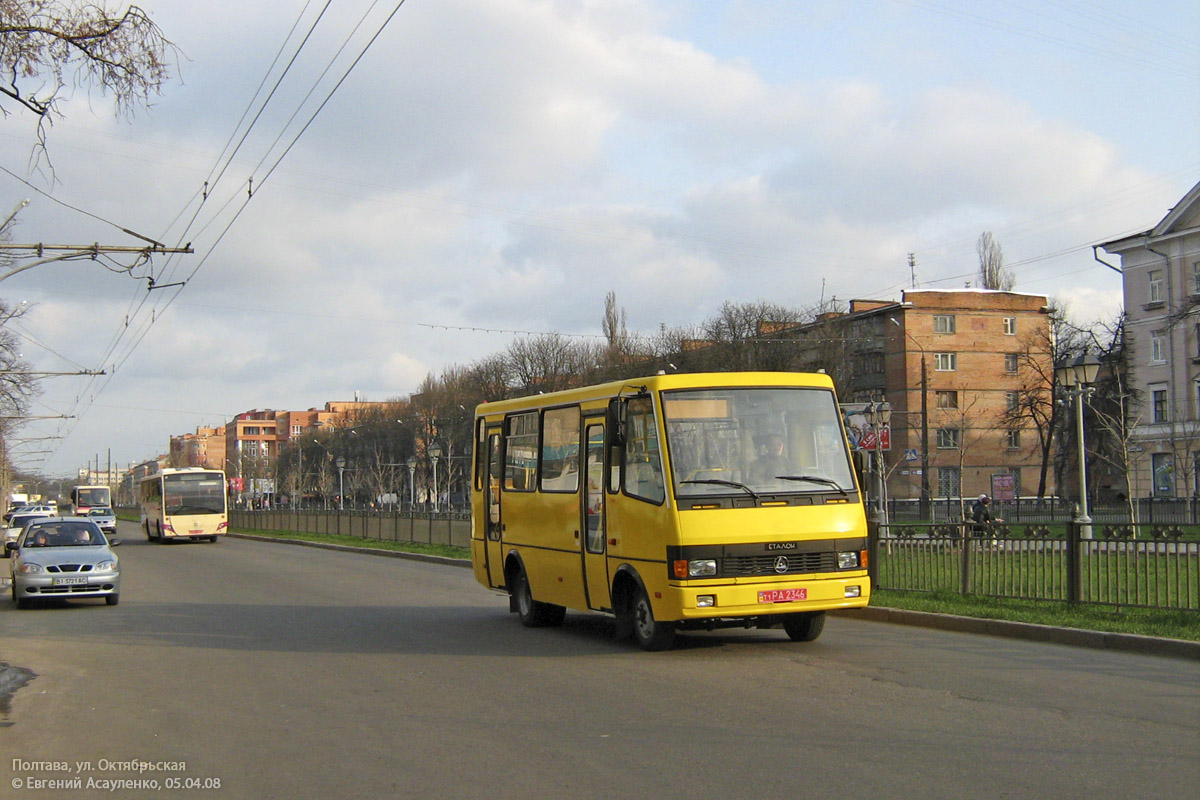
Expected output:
{"points": [[66, 558], [105, 518], [17, 522]]}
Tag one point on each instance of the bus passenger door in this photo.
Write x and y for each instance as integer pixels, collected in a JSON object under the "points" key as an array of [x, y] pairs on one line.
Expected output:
{"points": [[494, 526], [595, 529]]}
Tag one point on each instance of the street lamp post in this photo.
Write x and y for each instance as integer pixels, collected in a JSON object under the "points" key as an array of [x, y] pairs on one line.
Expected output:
{"points": [[412, 488], [435, 452], [341, 468], [879, 415], [1078, 376], [925, 493]]}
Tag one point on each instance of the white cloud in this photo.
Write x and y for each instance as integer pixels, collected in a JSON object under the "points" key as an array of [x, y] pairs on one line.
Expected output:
{"points": [[503, 164]]}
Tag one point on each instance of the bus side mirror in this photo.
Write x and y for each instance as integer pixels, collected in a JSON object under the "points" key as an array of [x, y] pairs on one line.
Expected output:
{"points": [[618, 417]]}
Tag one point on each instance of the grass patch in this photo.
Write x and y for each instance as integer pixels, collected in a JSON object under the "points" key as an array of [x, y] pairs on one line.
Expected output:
{"points": [[1167, 623], [444, 550]]}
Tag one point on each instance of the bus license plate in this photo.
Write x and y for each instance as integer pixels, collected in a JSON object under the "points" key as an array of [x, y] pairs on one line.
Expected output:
{"points": [[782, 595], [71, 581]]}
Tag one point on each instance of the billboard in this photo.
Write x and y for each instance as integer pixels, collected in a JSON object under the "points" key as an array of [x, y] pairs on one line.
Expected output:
{"points": [[861, 433]]}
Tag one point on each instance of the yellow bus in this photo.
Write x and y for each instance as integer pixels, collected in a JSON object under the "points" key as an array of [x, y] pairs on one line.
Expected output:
{"points": [[189, 503], [683, 501]]}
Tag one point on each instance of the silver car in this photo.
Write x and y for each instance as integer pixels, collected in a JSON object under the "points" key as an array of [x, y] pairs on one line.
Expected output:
{"points": [[63, 557], [105, 518]]}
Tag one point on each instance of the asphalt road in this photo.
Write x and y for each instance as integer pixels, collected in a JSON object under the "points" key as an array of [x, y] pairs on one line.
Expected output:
{"points": [[261, 670]]}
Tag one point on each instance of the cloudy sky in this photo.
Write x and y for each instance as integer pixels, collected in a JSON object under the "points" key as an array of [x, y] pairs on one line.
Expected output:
{"points": [[496, 166]]}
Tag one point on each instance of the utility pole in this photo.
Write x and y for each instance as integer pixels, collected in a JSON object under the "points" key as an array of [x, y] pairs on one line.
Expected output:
{"points": [[70, 252]]}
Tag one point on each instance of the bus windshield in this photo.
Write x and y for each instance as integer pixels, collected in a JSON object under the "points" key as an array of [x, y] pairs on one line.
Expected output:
{"points": [[92, 496], [197, 493], [742, 441]]}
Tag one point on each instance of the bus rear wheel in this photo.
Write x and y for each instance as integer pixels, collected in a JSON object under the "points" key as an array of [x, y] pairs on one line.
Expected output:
{"points": [[649, 634], [804, 627], [533, 613]]}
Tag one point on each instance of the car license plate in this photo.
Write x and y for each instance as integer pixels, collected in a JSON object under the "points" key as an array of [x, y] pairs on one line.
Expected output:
{"points": [[782, 595], [70, 581]]}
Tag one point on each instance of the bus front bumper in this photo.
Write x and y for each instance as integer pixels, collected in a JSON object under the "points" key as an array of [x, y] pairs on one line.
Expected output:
{"points": [[763, 598]]}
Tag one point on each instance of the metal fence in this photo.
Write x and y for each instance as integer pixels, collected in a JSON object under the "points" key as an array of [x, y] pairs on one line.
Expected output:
{"points": [[1151, 566], [389, 526], [1148, 510]]}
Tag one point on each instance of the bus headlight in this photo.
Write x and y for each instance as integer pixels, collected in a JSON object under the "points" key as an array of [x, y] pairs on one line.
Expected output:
{"points": [[706, 600], [696, 568], [848, 560]]}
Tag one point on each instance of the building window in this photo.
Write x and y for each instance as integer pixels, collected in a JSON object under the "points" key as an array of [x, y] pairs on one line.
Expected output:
{"points": [[1010, 362], [943, 323], [1010, 326], [945, 362], [1012, 400], [1156, 286], [1157, 347], [297, 430], [1159, 405], [251, 430], [947, 399], [1196, 277], [1163, 467], [1012, 439], [947, 438], [949, 481]]}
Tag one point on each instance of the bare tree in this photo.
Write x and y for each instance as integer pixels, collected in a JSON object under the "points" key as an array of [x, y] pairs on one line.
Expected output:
{"points": [[992, 272], [17, 386], [48, 45], [549, 362], [1113, 422], [1035, 399]]}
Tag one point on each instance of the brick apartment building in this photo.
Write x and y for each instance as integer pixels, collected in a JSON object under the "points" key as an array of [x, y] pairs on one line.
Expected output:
{"points": [[954, 365], [247, 446]]}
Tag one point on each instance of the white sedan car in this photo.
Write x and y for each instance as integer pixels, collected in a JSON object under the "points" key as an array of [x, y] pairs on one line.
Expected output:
{"points": [[16, 523], [64, 558]]}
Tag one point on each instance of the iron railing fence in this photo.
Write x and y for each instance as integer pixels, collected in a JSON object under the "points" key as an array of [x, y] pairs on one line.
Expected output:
{"points": [[1152, 566], [1148, 510], [452, 529]]}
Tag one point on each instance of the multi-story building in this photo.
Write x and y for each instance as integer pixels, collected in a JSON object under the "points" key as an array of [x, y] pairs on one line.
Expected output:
{"points": [[960, 368], [204, 448], [253, 438], [956, 367], [1160, 271]]}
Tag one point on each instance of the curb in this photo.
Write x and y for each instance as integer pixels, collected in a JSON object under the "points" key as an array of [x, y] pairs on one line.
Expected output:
{"points": [[1076, 637]]}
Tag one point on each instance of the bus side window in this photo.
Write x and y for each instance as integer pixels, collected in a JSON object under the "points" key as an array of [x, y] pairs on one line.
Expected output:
{"points": [[643, 462]]}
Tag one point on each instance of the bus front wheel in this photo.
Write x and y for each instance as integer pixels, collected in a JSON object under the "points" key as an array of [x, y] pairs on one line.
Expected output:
{"points": [[534, 614], [649, 634], [804, 627]]}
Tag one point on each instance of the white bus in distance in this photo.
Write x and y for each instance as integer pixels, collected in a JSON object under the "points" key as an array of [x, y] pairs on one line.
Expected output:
{"points": [[189, 503]]}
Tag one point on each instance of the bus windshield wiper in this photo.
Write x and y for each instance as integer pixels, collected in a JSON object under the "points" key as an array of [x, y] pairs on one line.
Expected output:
{"points": [[812, 479], [734, 484]]}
